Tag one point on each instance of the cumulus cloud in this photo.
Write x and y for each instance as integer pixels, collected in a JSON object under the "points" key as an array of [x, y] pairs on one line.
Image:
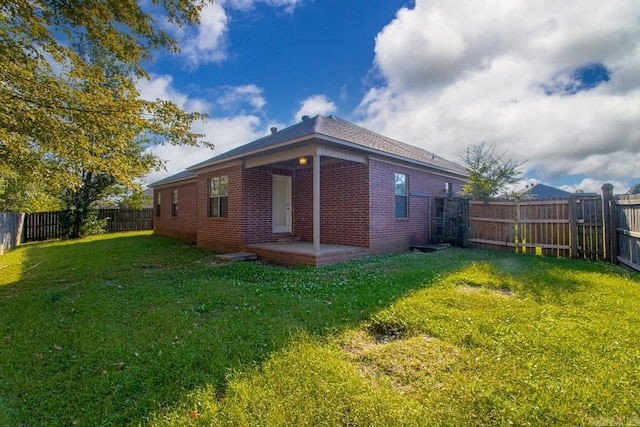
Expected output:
{"points": [[590, 185], [554, 83], [160, 86], [234, 97], [205, 43], [208, 42], [314, 105], [224, 132]]}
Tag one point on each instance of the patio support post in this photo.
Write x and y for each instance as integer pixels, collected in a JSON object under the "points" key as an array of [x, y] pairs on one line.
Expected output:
{"points": [[316, 204]]}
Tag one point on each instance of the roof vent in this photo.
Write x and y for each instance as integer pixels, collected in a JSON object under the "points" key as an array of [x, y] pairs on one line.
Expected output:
{"points": [[305, 118], [273, 130]]}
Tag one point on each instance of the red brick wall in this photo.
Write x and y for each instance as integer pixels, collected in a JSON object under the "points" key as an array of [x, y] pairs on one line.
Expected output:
{"points": [[257, 200], [389, 233], [344, 200], [221, 234], [302, 200], [184, 225]]}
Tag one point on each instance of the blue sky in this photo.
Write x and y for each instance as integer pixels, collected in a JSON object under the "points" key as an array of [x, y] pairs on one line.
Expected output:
{"points": [[553, 84]]}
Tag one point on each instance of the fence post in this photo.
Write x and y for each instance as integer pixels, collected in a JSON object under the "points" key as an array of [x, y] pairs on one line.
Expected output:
{"points": [[573, 227], [607, 196]]}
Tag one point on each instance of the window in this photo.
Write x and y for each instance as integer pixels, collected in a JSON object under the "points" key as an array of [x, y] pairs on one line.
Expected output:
{"points": [[439, 219], [448, 189], [402, 199], [158, 203], [174, 203], [218, 197]]}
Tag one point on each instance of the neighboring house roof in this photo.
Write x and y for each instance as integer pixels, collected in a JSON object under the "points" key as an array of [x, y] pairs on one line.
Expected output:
{"points": [[541, 191], [180, 176], [339, 131]]}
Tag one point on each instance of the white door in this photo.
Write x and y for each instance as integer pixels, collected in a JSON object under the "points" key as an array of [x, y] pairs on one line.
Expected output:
{"points": [[281, 204]]}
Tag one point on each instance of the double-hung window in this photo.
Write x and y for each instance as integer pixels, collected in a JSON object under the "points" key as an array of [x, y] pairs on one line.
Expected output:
{"points": [[402, 196], [218, 197], [174, 203], [158, 203]]}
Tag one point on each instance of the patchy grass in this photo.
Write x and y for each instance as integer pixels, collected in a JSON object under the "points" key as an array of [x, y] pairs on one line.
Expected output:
{"points": [[139, 329]]}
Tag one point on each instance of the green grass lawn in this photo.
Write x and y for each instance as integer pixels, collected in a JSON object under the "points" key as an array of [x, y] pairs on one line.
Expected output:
{"points": [[136, 329]]}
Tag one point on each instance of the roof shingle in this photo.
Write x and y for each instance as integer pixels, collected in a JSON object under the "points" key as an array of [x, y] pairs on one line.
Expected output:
{"points": [[342, 130]]}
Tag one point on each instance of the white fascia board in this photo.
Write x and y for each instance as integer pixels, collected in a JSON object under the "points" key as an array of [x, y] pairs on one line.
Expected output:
{"points": [[173, 183], [281, 156], [199, 166], [419, 166]]}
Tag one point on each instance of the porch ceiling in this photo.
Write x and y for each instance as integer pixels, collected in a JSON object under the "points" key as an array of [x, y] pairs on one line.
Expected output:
{"points": [[289, 158]]}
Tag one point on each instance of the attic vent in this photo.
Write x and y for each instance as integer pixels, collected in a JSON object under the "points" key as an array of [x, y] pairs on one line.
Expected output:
{"points": [[305, 118], [273, 130]]}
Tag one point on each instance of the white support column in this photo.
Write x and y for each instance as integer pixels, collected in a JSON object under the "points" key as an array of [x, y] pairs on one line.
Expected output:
{"points": [[316, 204]]}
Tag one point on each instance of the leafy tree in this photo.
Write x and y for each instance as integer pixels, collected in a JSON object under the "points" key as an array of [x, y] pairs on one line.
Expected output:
{"points": [[70, 114], [25, 195], [490, 174], [634, 190]]}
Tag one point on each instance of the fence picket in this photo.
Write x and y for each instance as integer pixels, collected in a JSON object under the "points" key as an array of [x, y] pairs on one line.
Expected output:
{"points": [[626, 236]]}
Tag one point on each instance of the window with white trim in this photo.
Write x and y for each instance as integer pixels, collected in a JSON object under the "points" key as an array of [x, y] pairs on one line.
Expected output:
{"points": [[158, 203], [219, 197], [402, 196], [174, 203]]}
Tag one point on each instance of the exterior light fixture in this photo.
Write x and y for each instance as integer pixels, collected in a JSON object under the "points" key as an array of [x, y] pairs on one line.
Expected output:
{"points": [[302, 160]]}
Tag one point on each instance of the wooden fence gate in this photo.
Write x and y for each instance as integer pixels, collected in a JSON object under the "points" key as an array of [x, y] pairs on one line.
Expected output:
{"points": [[568, 227], [625, 226]]}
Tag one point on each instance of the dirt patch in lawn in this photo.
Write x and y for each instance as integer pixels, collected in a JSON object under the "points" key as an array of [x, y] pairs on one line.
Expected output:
{"points": [[410, 364]]}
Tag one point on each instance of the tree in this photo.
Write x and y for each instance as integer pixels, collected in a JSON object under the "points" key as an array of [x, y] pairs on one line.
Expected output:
{"points": [[21, 195], [490, 174], [634, 189], [70, 114]]}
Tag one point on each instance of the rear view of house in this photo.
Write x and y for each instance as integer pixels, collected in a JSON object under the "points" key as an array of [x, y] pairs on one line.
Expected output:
{"points": [[321, 191]]}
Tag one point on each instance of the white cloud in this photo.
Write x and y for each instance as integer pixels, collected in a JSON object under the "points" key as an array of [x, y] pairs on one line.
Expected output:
{"points": [[224, 132], [459, 73], [160, 86], [234, 96], [314, 105], [590, 185], [206, 42]]}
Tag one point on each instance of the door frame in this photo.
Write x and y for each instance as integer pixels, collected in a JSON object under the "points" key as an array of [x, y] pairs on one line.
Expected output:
{"points": [[287, 227]]}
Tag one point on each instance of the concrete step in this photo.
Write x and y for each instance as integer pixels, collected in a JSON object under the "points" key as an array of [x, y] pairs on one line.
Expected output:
{"points": [[430, 247], [237, 256]]}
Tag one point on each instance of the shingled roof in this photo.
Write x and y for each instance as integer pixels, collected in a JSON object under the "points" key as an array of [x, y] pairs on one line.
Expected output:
{"points": [[337, 130], [180, 176]]}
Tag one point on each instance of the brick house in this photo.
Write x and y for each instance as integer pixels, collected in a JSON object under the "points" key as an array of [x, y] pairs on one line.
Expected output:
{"points": [[320, 191]]}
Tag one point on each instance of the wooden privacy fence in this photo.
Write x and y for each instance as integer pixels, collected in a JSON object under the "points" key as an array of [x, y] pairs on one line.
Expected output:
{"points": [[624, 217], [567, 227], [127, 219], [46, 225]]}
